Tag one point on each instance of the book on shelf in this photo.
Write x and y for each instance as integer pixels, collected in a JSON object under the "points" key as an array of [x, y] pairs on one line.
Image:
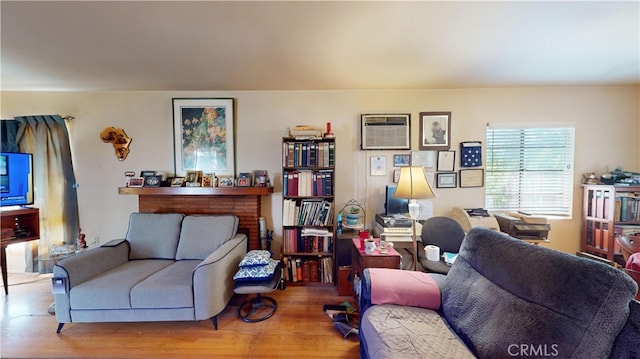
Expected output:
{"points": [[628, 229], [627, 207], [308, 154], [307, 183]]}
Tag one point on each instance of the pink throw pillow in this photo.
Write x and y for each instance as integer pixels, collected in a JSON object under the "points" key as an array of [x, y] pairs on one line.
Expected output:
{"points": [[401, 287]]}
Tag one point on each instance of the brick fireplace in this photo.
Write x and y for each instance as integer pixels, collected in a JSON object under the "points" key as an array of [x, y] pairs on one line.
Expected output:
{"points": [[244, 202]]}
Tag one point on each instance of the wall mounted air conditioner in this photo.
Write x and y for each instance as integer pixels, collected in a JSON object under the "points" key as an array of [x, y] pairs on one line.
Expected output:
{"points": [[386, 132]]}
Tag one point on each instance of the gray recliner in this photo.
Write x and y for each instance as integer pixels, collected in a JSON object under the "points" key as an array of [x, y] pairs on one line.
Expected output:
{"points": [[443, 232]]}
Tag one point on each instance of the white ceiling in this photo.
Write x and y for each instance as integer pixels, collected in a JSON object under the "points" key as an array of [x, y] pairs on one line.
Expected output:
{"points": [[206, 45]]}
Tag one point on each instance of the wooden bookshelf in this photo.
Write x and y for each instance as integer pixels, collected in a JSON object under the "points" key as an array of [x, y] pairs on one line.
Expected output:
{"points": [[608, 211], [308, 179]]}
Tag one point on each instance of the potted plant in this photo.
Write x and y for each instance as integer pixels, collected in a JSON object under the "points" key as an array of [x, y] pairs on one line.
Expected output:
{"points": [[353, 217]]}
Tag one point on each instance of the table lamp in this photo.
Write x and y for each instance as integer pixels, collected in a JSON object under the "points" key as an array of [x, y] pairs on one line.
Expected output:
{"points": [[413, 185]]}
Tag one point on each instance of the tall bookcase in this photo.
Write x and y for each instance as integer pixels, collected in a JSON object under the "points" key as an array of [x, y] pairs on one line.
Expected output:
{"points": [[308, 225], [608, 211]]}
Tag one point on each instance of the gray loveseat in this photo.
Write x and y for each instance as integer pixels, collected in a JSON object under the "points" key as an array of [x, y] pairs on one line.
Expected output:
{"points": [[170, 267], [504, 298]]}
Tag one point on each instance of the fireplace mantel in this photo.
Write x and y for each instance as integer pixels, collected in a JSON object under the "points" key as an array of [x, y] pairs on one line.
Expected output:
{"points": [[243, 202], [197, 191]]}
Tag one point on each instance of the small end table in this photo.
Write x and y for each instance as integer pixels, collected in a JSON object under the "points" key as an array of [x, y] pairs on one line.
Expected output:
{"points": [[361, 260]]}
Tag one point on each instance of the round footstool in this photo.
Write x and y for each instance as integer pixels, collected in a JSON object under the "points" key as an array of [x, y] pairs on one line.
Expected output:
{"points": [[259, 307]]}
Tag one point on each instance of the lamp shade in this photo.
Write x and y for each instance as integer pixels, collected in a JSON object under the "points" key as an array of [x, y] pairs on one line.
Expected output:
{"points": [[413, 184]]}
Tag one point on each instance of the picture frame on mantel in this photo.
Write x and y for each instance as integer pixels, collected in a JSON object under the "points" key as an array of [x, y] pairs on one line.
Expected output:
{"points": [[204, 135], [435, 131]]}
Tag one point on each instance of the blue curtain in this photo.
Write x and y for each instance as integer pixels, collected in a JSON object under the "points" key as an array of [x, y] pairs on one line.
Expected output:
{"points": [[8, 133]]}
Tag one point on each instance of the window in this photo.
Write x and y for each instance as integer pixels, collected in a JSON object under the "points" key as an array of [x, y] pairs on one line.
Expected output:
{"points": [[530, 169]]}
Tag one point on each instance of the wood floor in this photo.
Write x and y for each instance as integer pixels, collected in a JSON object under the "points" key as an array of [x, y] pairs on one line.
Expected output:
{"points": [[299, 329]]}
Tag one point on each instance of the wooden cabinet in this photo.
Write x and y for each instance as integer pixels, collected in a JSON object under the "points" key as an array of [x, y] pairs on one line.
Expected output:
{"points": [[308, 224], [360, 261], [608, 211], [26, 219], [19, 225]]}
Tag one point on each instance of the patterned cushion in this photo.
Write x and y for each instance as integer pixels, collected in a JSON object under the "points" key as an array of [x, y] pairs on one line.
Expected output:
{"points": [[257, 272], [255, 258]]}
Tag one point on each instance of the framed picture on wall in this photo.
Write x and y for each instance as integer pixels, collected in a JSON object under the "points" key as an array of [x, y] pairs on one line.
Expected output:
{"points": [[403, 160], [435, 130], [471, 178], [203, 135], [446, 160], [447, 180]]}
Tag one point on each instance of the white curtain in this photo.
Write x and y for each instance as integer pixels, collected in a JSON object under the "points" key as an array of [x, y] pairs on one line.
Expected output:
{"points": [[47, 138]]}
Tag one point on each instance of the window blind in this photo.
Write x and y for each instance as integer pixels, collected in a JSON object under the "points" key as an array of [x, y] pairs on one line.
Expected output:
{"points": [[530, 169]]}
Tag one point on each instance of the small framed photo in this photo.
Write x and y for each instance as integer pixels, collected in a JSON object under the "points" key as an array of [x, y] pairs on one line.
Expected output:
{"points": [[446, 160], [147, 173], [208, 180], [244, 182], [401, 160], [192, 178], [435, 130], [177, 182], [152, 181], [260, 178], [396, 176], [225, 181], [446, 180], [136, 182], [471, 178], [378, 166]]}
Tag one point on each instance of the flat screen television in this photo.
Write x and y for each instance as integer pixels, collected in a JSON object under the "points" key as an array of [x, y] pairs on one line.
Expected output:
{"points": [[395, 206], [16, 179]]}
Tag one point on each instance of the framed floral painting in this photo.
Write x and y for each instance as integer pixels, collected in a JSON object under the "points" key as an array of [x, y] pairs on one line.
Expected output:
{"points": [[203, 135]]}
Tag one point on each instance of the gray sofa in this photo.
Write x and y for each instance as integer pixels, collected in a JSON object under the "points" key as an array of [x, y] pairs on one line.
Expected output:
{"points": [[170, 267], [504, 298]]}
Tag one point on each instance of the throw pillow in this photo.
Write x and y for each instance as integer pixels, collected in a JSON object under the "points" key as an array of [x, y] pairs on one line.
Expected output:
{"points": [[255, 258], [263, 272], [401, 287]]}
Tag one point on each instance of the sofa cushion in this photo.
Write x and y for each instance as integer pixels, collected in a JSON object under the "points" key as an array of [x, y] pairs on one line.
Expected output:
{"points": [[111, 289], [502, 291], [154, 235], [170, 287], [394, 331], [201, 235]]}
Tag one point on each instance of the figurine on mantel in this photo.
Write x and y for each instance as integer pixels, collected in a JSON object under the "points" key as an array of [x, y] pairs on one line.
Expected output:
{"points": [[82, 243]]}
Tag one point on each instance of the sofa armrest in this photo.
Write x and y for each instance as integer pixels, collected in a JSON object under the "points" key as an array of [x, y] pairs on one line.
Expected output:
{"points": [[82, 267], [85, 265], [213, 277], [626, 344], [408, 287]]}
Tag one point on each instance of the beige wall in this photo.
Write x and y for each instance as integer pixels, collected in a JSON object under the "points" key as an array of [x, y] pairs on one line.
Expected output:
{"points": [[607, 123]]}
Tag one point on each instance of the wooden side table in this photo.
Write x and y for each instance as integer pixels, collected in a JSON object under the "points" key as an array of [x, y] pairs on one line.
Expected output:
{"points": [[360, 260]]}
